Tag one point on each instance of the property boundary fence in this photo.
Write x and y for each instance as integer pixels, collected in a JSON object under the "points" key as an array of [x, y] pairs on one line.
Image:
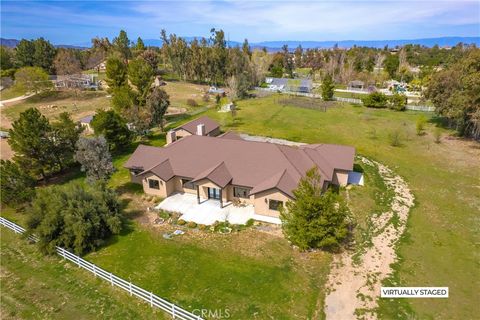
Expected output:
{"points": [[349, 100], [154, 301]]}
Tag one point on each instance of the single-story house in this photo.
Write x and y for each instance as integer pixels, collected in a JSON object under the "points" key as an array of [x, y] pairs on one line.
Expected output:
{"points": [[292, 85], [356, 85], [215, 90], [80, 81], [85, 122], [228, 169], [203, 126]]}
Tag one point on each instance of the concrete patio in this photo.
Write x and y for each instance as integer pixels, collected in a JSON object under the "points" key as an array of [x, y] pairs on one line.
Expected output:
{"points": [[209, 211]]}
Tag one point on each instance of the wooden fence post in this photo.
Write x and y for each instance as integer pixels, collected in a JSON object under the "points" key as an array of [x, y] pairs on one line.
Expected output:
{"points": [[95, 270], [130, 288], [173, 311], [151, 300], [111, 279], [78, 261]]}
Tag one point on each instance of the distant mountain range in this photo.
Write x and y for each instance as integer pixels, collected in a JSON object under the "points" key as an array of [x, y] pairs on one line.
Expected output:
{"points": [[12, 43], [277, 45]]}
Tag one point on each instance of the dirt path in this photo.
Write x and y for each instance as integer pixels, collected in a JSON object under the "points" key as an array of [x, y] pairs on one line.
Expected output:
{"points": [[16, 99], [355, 286]]}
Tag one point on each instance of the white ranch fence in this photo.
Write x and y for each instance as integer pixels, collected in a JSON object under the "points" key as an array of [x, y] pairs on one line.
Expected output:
{"points": [[154, 301]]}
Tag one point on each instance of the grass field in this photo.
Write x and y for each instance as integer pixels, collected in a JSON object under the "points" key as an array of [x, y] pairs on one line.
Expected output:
{"points": [[39, 287], [439, 248], [12, 92], [52, 103], [254, 273]]}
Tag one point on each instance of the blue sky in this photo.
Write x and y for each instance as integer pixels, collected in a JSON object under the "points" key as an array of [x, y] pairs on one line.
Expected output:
{"points": [[76, 22]]}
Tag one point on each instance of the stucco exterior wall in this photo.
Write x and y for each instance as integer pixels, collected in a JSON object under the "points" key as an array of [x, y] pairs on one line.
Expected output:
{"points": [[135, 178], [180, 133], [179, 188], [340, 177], [166, 187], [261, 202], [203, 191]]}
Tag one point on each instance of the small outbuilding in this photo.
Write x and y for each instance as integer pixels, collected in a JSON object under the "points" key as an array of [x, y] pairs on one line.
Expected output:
{"points": [[85, 122], [356, 85]]}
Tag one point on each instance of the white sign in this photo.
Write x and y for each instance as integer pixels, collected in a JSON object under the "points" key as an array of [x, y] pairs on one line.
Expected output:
{"points": [[414, 292]]}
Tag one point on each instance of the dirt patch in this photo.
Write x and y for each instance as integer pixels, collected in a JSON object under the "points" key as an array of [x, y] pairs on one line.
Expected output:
{"points": [[353, 286], [6, 153]]}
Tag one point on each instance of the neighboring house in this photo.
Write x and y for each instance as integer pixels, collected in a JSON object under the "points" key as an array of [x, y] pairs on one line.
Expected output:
{"points": [[289, 85], [85, 122], [78, 81], [356, 85], [203, 126], [227, 169], [215, 90]]}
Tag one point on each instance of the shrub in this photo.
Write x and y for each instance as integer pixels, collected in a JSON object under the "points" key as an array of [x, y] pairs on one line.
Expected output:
{"points": [[395, 138], [420, 125], [397, 102], [192, 103], [250, 222], [217, 99], [202, 227], [76, 217], [163, 214], [437, 135], [181, 222], [191, 224], [375, 100]]}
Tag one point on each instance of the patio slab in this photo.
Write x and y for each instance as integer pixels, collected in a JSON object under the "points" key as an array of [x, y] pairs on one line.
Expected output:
{"points": [[208, 211]]}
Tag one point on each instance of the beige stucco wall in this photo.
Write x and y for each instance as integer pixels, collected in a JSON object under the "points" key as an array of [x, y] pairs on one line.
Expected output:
{"points": [[136, 178], [261, 202], [205, 183], [230, 197], [179, 188], [180, 133], [166, 187], [340, 177]]}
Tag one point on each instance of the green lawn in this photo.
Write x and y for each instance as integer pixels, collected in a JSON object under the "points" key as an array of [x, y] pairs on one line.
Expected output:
{"points": [[439, 248], [12, 92], [250, 274], [39, 287], [257, 275]]}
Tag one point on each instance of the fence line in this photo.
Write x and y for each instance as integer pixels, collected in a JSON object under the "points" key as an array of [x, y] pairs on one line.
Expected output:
{"points": [[154, 301], [349, 100], [420, 108]]}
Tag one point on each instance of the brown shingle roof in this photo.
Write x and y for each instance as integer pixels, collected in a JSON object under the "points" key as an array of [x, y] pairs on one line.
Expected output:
{"points": [[258, 165], [191, 126]]}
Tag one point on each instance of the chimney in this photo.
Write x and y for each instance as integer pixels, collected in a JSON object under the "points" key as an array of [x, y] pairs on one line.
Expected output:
{"points": [[171, 136], [201, 129]]}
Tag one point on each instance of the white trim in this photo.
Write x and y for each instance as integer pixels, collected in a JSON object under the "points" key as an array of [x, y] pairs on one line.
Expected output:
{"points": [[260, 217]]}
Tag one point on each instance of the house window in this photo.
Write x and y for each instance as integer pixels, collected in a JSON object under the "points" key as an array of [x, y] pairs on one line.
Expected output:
{"points": [[187, 184], [275, 204], [153, 184], [239, 192]]}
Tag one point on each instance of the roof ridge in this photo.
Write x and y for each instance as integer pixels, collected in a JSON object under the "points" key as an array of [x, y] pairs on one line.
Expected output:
{"points": [[157, 164], [316, 165], [286, 157]]}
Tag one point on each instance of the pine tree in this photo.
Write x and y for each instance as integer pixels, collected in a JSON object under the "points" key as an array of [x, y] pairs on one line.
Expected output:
{"points": [[315, 219]]}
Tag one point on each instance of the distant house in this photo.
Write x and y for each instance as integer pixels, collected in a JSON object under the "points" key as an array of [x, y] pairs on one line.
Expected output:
{"points": [[215, 90], [77, 81], [4, 135], [85, 122], [102, 66], [158, 82], [289, 85], [356, 85], [203, 126]]}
